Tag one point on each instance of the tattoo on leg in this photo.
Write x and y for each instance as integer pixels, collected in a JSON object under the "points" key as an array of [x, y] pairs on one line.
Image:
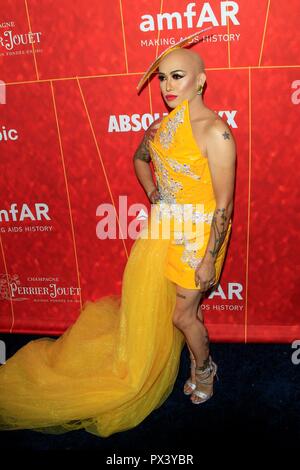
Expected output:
{"points": [[219, 231], [181, 295], [205, 364], [206, 340]]}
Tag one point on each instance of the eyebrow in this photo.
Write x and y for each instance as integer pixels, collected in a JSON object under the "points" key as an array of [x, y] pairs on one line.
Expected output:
{"points": [[173, 71]]}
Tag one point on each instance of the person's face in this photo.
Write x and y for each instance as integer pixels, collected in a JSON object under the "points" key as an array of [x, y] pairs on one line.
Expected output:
{"points": [[179, 78]]}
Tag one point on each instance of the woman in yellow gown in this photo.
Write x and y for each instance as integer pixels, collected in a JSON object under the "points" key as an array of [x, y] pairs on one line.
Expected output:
{"points": [[120, 359]]}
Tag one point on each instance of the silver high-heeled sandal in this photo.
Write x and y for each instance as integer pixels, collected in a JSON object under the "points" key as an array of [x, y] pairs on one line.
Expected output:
{"points": [[190, 386], [204, 383]]}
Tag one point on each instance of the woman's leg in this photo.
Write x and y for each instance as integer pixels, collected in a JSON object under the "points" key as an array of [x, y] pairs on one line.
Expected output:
{"points": [[188, 318]]}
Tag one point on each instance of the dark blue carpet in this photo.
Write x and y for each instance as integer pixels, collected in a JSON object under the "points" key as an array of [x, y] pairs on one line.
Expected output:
{"points": [[256, 408]]}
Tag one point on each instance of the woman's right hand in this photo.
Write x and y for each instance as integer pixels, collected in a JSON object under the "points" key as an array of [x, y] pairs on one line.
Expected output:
{"points": [[154, 196]]}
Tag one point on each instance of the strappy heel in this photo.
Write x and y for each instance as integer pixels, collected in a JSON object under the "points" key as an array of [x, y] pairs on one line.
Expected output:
{"points": [[190, 386], [204, 388]]}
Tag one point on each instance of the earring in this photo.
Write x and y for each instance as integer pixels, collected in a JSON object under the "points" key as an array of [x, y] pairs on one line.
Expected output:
{"points": [[199, 92]]}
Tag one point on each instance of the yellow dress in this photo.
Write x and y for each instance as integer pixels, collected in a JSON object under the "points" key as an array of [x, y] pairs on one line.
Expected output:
{"points": [[120, 359], [187, 198]]}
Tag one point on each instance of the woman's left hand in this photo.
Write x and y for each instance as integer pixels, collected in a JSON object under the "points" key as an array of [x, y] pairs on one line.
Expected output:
{"points": [[205, 274]]}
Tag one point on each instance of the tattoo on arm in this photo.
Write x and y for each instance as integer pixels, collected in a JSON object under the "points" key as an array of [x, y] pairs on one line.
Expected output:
{"points": [[219, 227], [226, 135], [142, 152]]}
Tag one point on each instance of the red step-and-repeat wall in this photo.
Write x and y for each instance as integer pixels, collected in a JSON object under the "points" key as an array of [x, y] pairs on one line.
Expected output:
{"points": [[71, 120]]}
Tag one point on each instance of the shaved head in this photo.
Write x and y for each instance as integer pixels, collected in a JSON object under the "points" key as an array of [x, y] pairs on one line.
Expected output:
{"points": [[182, 75], [183, 57]]}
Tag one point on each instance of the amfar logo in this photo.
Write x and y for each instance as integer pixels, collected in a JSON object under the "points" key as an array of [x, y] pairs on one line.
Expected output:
{"points": [[136, 122], [175, 20], [38, 212]]}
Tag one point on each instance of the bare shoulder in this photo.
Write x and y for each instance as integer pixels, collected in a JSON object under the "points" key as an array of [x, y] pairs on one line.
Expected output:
{"points": [[214, 137], [211, 126], [221, 148], [219, 129], [220, 140]]}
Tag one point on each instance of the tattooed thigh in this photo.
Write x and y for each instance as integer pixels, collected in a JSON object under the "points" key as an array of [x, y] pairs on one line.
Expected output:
{"points": [[187, 298]]}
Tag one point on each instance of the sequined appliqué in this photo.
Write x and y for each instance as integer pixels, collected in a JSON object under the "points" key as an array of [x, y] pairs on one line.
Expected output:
{"points": [[182, 168], [167, 186], [189, 257], [189, 254], [184, 212], [166, 136]]}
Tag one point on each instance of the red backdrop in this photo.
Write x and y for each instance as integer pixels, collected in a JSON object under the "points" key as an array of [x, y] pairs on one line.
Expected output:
{"points": [[71, 121]]}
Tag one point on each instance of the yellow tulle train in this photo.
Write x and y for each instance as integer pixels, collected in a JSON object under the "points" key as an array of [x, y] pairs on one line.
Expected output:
{"points": [[109, 370]]}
